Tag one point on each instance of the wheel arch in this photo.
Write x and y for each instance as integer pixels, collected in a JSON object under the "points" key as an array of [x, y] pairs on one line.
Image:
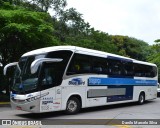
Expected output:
{"points": [[141, 98], [73, 104], [142, 92], [77, 95]]}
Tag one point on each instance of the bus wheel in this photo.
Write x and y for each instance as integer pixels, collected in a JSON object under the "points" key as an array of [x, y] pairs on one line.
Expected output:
{"points": [[141, 98], [73, 106]]}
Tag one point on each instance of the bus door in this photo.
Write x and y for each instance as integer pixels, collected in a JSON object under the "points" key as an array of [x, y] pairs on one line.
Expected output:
{"points": [[50, 92]]}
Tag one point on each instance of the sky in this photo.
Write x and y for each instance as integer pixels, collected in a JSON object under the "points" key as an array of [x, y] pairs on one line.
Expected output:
{"points": [[134, 18]]}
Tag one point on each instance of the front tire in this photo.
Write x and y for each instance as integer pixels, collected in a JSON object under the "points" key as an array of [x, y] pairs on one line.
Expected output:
{"points": [[141, 99], [73, 106]]}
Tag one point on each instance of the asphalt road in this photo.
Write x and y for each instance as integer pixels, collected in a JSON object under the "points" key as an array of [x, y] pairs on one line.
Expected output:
{"points": [[148, 111]]}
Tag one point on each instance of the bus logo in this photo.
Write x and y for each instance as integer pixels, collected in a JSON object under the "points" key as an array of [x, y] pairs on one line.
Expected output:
{"points": [[76, 81]]}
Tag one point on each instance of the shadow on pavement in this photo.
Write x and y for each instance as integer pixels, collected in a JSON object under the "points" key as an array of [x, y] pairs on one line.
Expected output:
{"points": [[40, 116]]}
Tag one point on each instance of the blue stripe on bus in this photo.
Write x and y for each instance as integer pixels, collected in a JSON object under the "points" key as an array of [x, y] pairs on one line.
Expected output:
{"points": [[93, 81]]}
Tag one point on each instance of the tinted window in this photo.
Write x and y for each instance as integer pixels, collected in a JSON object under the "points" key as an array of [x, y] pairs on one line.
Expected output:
{"points": [[115, 67], [120, 67], [112, 66], [65, 55], [52, 73], [153, 71], [144, 70], [128, 68], [100, 65], [24, 77], [80, 64]]}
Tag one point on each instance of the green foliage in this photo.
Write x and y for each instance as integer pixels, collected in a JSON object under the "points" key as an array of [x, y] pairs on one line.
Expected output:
{"points": [[158, 40], [56, 5], [95, 40], [132, 47], [22, 31], [155, 57], [70, 25], [6, 5]]}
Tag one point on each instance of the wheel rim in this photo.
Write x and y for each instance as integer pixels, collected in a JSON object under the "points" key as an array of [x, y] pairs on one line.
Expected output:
{"points": [[72, 106], [141, 98]]}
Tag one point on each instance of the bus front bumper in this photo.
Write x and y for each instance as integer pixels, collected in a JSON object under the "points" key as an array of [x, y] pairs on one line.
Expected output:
{"points": [[32, 106]]}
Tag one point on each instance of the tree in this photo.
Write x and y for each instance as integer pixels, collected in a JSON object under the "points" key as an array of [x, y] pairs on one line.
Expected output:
{"points": [[132, 47], [71, 24], [22, 31], [155, 56], [56, 5], [75, 21]]}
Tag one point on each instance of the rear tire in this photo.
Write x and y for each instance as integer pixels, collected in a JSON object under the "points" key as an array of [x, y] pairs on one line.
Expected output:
{"points": [[73, 106], [141, 99]]}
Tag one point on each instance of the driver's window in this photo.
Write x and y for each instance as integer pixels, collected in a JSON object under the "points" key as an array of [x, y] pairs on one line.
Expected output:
{"points": [[47, 79], [48, 76]]}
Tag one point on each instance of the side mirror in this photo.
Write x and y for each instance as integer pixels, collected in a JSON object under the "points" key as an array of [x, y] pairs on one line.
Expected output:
{"points": [[35, 64], [1, 65], [9, 65]]}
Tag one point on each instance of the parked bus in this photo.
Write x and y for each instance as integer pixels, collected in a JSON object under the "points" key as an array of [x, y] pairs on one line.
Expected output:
{"points": [[70, 78]]}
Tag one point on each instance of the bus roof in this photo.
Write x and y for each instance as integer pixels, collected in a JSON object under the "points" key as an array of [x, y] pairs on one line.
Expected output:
{"points": [[48, 49], [83, 51]]}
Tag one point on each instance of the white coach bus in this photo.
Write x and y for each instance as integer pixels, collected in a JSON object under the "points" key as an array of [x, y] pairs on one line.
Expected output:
{"points": [[70, 78]]}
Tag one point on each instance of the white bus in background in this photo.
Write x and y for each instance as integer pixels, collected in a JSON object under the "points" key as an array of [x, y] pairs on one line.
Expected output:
{"points": [[70, 78]]}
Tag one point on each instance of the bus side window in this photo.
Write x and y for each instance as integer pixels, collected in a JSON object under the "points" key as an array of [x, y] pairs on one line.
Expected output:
{"points": [[153, 71], [85, 67], [115, 67], [47, 79], [100, 65], [50, 76], [74, 68], [79, 64], [128, 69], [142, 70], [137, 70]]}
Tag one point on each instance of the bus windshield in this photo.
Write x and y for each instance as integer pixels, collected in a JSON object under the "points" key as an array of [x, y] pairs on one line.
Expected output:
{"points": [[23, 79], [47, 76]]}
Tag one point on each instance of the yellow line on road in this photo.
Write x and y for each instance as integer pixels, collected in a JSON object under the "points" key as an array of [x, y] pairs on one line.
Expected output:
{"points": [[25, 126], [1, 103], [123, 126]]}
